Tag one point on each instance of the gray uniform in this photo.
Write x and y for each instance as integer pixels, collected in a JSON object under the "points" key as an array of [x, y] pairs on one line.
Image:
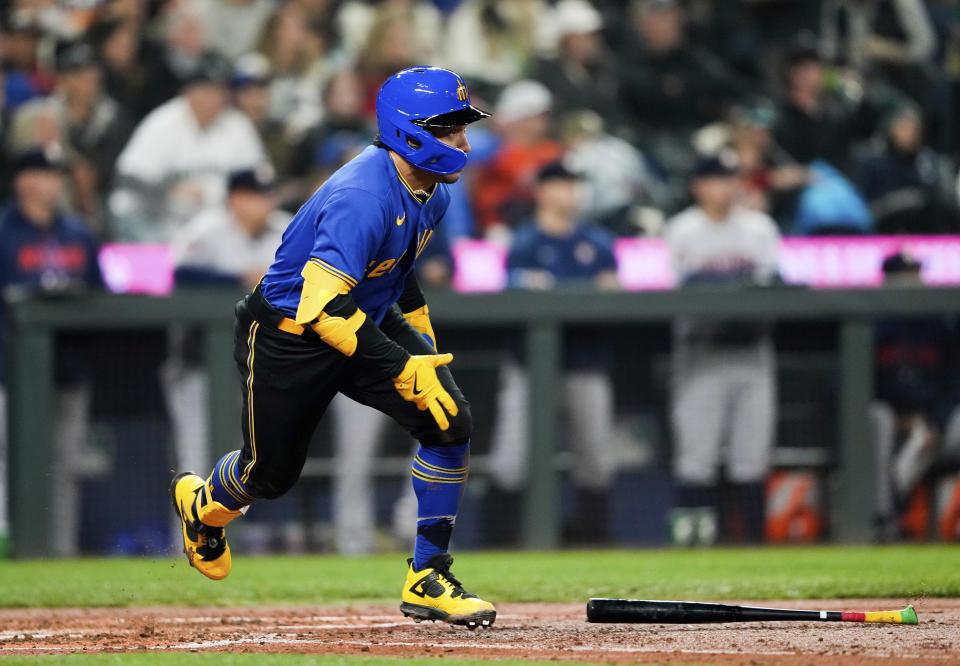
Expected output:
{"points": [[723, 406]]}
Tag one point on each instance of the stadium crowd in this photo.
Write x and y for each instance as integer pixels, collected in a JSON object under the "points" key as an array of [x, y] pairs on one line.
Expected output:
{"points": [[156, 102], [205, 124]]}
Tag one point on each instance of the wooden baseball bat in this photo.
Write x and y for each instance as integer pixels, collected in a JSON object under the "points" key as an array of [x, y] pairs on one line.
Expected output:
{"points": [[692, 612]]}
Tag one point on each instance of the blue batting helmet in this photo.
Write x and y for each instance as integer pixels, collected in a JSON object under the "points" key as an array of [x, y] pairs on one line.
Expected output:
{"points": [[419, 98]]}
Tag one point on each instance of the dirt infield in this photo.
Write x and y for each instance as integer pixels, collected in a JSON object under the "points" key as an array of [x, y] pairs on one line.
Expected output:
{"points": [[541, 632]]}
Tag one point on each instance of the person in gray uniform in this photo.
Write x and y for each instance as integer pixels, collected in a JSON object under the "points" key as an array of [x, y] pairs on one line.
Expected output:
{"points": [[723, 398]]}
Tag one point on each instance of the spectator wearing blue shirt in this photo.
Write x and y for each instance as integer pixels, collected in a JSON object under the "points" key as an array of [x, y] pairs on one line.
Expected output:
{"points": [[47, 250], [556, 250]]}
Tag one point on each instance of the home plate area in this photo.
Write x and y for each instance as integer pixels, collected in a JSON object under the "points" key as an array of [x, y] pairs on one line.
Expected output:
{"points": [[535, 632]]}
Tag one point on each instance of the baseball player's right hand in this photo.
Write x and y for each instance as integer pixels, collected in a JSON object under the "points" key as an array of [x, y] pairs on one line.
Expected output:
{"points": [[418, 383]]}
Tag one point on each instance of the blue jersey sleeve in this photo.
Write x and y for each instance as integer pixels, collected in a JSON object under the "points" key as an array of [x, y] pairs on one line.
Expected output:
{"points": [[350, 228]]}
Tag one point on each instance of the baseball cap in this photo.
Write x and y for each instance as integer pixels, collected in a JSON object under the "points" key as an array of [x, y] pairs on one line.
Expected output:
{"points": [[556, 171], [801, 53], [901, 262], [724, 163], [523, 99], [251, 69], [38, 158], [576, 17], [260, 179], [212, 68], [72, 56]]}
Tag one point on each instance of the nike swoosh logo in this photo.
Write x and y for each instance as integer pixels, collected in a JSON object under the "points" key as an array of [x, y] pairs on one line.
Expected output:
{"points": [[401, 220], [416, 391]]}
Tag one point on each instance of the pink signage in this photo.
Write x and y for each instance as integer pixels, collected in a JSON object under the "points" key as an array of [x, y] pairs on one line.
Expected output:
{"points": [[479, 265], [137, 268], [644, 263]]}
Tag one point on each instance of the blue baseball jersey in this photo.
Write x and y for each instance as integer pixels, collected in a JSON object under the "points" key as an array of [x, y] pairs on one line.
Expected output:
{"points": [[364, 225]]}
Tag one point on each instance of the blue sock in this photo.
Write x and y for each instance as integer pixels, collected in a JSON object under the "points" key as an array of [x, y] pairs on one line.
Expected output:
{"points": [[439, 475], [226, 485]]}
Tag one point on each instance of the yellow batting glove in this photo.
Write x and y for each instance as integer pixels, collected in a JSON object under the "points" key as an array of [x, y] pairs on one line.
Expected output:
{"points": [[420, 320], [418, 383]]}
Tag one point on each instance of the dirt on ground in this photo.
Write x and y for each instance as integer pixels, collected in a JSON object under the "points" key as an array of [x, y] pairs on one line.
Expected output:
{"points": [[535, 632]]}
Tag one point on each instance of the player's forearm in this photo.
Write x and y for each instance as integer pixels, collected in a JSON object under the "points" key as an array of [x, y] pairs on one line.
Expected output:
{"points": [[369, 342], [327, 307]]}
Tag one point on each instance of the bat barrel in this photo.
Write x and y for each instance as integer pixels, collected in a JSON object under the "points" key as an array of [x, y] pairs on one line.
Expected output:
{"points": [[690, 612]]}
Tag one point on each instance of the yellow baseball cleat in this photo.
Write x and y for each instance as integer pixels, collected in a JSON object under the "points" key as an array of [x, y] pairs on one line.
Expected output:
{"points": [[204, 543], [433, 593]]}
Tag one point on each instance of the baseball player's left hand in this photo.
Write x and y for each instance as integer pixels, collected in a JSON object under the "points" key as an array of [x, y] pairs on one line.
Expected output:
{"points": [[418, 383], [420, 320]]}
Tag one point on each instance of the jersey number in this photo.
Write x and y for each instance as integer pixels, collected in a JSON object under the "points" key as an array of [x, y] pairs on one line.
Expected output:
{"points": [[381, 268]]}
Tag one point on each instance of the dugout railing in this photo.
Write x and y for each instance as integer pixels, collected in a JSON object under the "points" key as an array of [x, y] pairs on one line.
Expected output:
{"points": [[33, 323]]}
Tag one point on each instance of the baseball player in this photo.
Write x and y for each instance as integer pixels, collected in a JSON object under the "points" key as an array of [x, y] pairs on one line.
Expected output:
{"points": [[340, 310], [724, 393]]}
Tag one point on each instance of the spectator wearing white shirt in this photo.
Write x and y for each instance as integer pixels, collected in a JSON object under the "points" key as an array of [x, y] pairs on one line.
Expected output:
{"points": [[177, 161]]}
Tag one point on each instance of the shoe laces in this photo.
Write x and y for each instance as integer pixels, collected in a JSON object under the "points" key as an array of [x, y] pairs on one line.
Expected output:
{"points": [[210, 541], [208, 536], [443, 569]]}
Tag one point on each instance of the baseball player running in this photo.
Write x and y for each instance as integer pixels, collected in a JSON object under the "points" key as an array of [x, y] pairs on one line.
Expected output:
{"points": [[341, 311]]}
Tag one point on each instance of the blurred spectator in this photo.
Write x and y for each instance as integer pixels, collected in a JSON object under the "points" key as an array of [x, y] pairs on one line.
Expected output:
{"points": [[177, 161], [492, 42], [776, 26], [235, 241], [234, 26], [503, 186], [946, 18], [118, 43], [92, 126], [817, 123], [20, 36], [915, 416], [723, 403], [894, 40], [363, 25], [581, 75], [910, 189], [229, 244], [44, 249], [623, 194], [346, 129], [395, 40], [251, 96], [667, 83], [175, 58], [555, 250], [298, 66], [769, 178]]}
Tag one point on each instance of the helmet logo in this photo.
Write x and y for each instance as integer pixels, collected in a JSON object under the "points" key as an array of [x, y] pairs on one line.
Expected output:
{"points": [[461, 91]]}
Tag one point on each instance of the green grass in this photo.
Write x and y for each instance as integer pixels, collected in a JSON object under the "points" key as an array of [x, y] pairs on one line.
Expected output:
{"points": [[229, 659], [768, 573]]}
